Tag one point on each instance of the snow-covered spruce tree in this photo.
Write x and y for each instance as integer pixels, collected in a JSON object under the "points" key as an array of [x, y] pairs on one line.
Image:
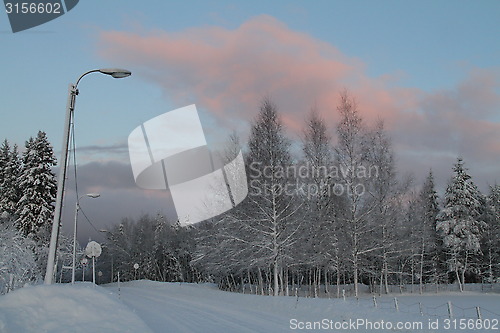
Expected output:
{"points": [[38, 186], [5, 152], [430, 248], [491, 237], [458, 222], [4, 157], [10, 193]]}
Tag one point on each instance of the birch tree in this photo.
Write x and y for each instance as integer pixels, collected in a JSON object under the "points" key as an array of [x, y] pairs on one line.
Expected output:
{"points": [[319, 239], [272, 219], [352, 165], [383, 201]]}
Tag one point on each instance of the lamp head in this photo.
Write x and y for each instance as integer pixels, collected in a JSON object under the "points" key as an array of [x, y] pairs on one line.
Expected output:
{"points": [[117, 73]]}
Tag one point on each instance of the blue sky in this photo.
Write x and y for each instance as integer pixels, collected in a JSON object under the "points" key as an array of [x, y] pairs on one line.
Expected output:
{"points": [[426, 58], [429, 44]]}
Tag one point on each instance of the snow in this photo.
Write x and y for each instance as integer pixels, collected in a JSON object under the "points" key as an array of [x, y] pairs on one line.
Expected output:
{"points": [[147, 306], [66, 308]]}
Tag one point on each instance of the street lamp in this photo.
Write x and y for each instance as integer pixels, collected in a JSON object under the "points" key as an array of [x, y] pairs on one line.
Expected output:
{"points": [[70, 108], [77, 208]]}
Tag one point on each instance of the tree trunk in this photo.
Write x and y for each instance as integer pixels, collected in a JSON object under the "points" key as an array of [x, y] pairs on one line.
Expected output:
{"points": [[386, 282], [338, 281], [261, 281], [327, 291], [287, 284], [458, 275], [421, 267], [275, 277], [464, 269], [355, 273]]}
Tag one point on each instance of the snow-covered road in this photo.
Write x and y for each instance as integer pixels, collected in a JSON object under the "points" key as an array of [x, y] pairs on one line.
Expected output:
{"points": [[197, 308], [147, 306]]}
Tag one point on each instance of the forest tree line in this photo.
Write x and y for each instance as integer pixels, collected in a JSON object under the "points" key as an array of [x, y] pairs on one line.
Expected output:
{"points": [[332, 212], [337, 213]]}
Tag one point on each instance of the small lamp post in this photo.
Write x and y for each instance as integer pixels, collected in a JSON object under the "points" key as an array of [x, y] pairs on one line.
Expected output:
{"points": [[77, 208]]}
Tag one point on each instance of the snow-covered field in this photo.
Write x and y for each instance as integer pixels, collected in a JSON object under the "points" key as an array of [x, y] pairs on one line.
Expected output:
{"points": [[146, 306]]}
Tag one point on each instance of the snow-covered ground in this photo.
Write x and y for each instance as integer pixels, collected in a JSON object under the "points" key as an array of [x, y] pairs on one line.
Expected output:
{"points": [[65, 308], [146, 306]]}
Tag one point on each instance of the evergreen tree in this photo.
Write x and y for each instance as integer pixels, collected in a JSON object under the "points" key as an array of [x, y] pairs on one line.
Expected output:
{"points": [[10, 191], [491, 239], [38, 186], [4, 157], [430, 245], [458, 222]]}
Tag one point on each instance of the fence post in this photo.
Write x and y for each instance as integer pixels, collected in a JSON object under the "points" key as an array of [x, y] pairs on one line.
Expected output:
{"points": [[343, 294], [396, 305], [119, 284], [478, 310], [420, 308], [11, 283], [450, 310], [297, 297], [374, 301]]}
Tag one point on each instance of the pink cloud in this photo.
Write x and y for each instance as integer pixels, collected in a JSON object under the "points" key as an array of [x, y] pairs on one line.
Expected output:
{"points": [[228, 72]]}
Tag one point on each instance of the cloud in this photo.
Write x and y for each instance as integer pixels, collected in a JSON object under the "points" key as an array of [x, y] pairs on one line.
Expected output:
{"points": [[228, 72], [455, 122], [117, 148], [119, 198]]}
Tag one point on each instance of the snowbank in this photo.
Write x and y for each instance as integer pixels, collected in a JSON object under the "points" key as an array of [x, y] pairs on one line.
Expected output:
{"points": [[66, 308]]}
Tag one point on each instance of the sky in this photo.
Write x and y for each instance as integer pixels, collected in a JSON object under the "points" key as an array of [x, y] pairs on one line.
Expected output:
{"points": [[430, 69]]}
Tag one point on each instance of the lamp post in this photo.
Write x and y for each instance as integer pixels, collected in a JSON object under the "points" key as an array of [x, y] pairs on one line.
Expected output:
{"points": [[77, 208], [70, 108]]}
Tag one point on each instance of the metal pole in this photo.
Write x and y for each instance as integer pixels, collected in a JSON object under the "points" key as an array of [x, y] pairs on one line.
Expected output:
{"points": [[77, 207], [93, 270], [70, 108], [49, 273]]}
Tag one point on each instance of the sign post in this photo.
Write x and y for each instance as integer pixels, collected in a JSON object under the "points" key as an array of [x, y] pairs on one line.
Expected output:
{"points": [[84, 263], [93, 250], [136, 267]]}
